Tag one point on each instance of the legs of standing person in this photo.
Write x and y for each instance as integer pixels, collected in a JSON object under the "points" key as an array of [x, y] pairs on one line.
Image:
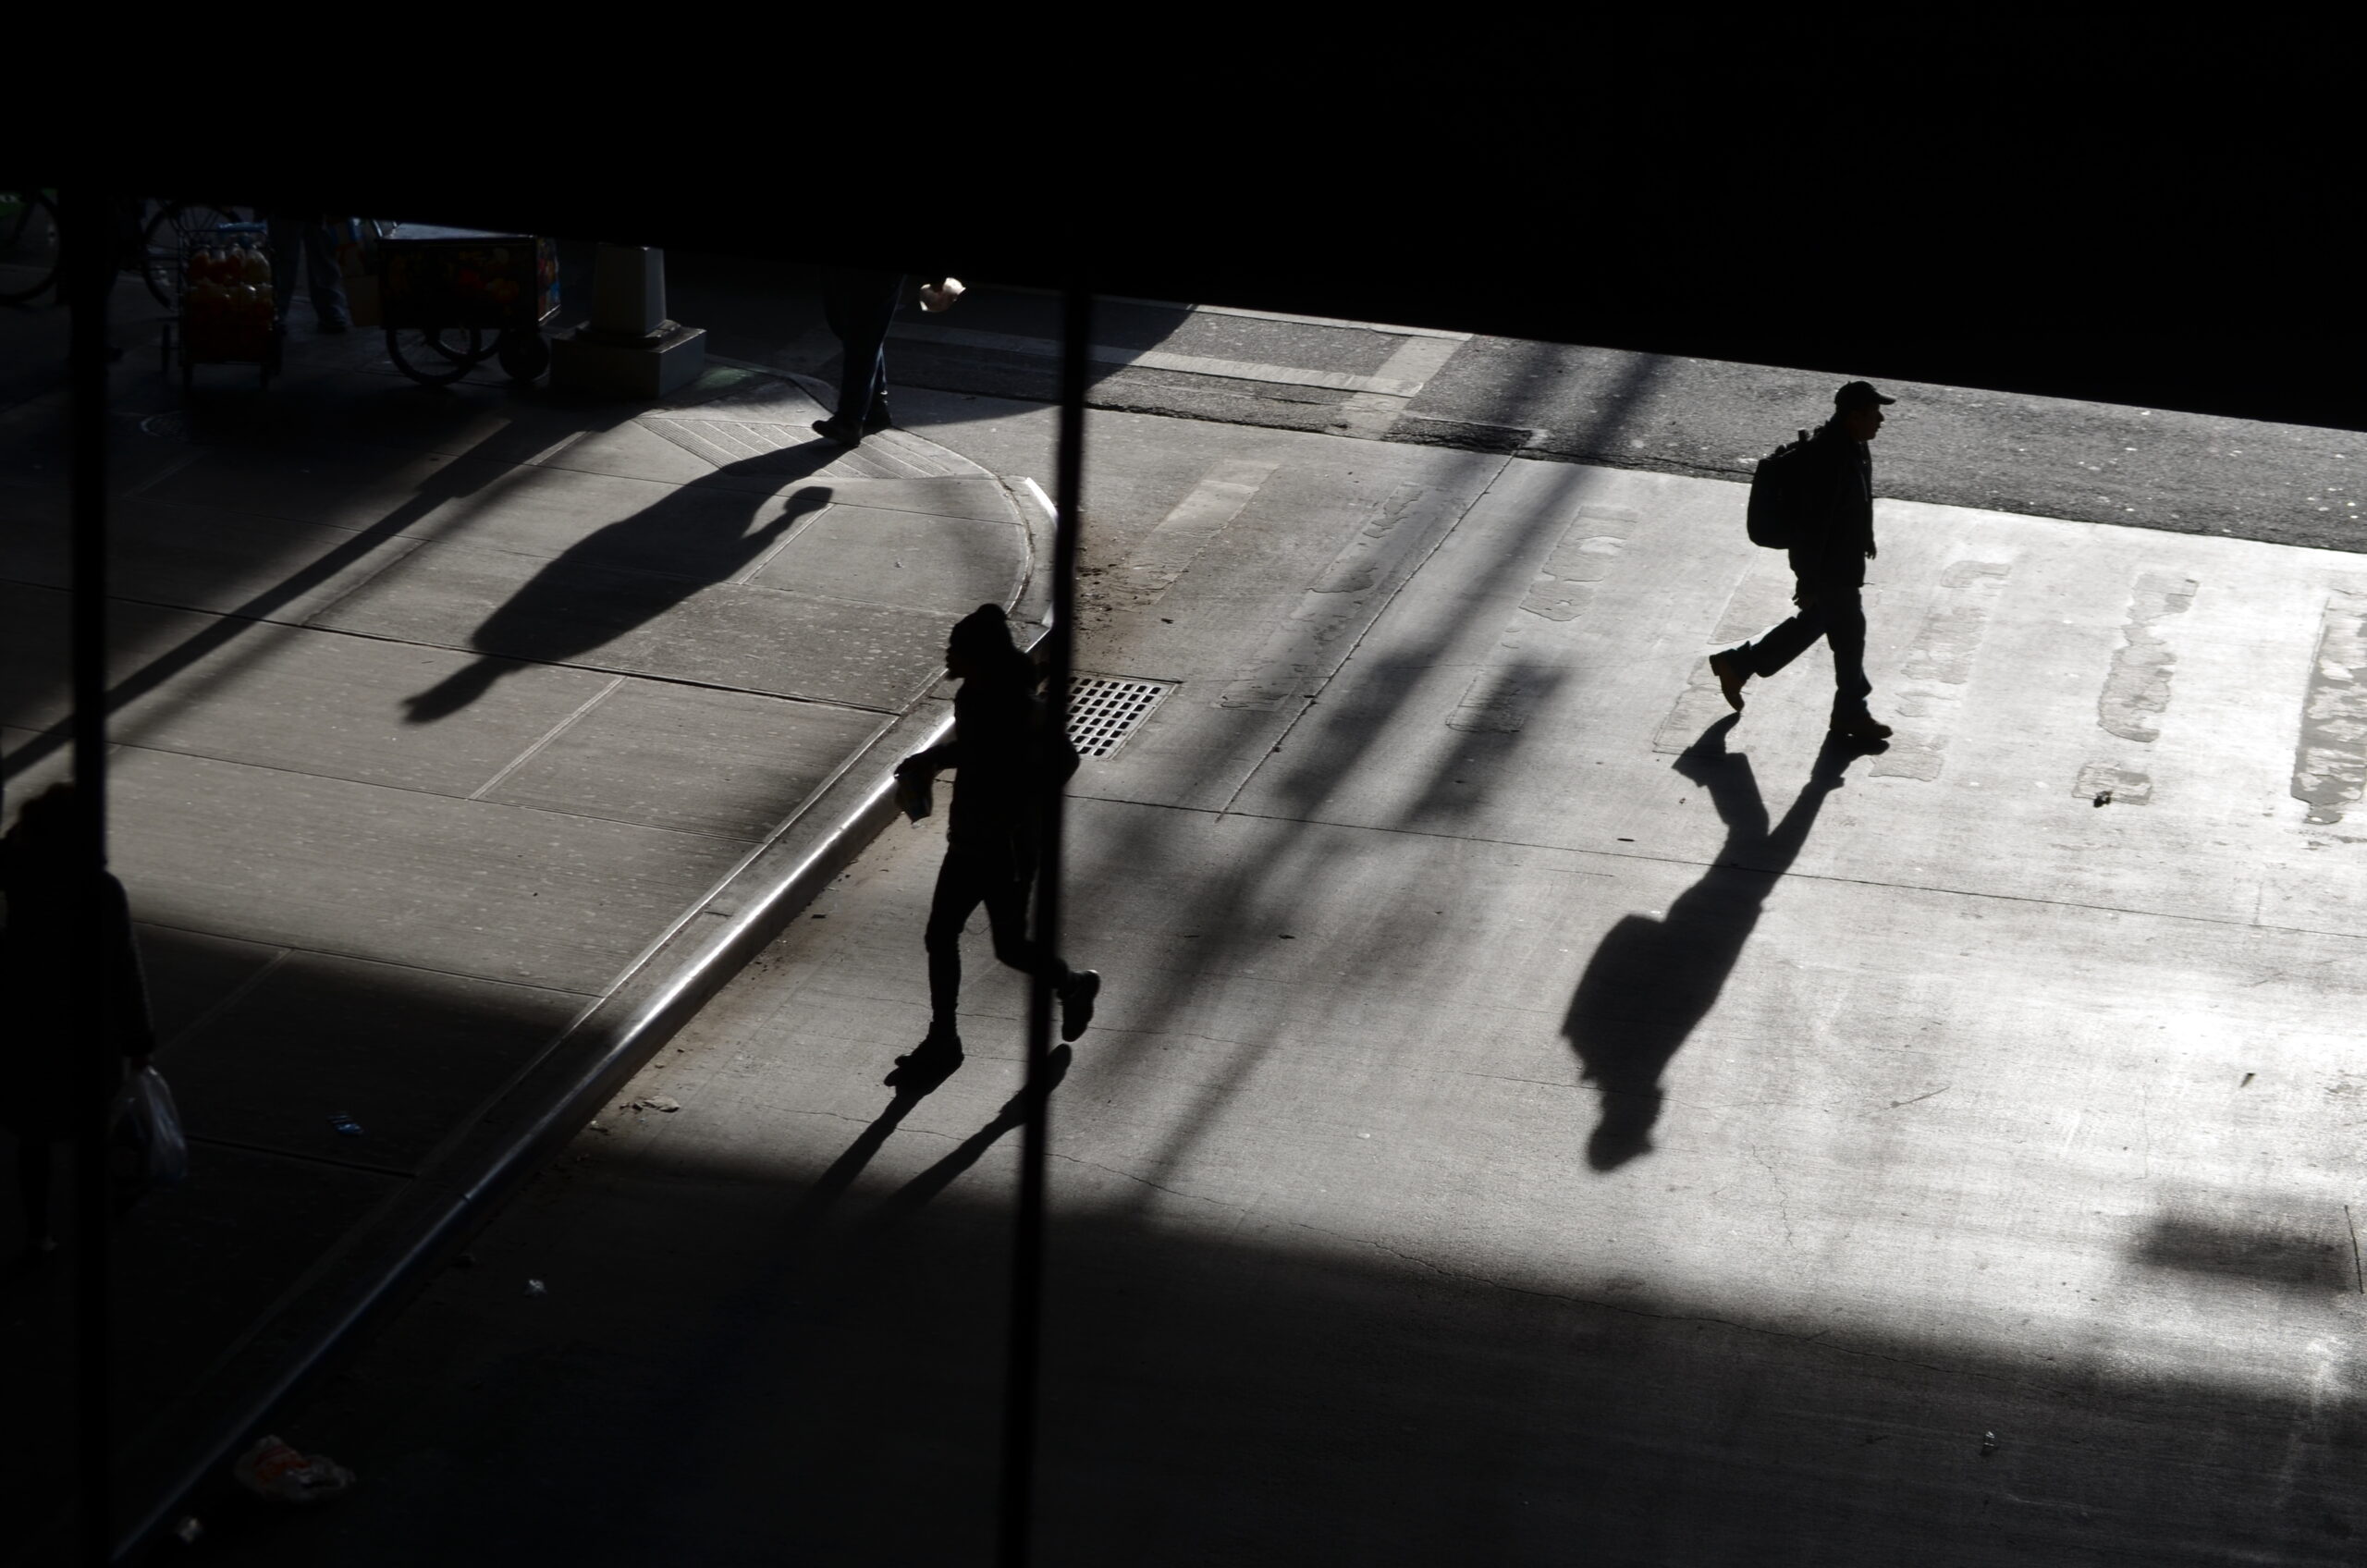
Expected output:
{"points": [[306, 244], [863, 318], [285, 239], [324, 279]]}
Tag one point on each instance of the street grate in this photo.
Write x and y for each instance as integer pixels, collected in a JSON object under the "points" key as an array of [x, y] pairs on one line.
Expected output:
{"points": [[1104, 710]]}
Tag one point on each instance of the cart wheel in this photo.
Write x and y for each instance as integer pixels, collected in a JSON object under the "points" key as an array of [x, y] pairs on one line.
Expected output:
{"points": [[435, 355], [524, 354]]}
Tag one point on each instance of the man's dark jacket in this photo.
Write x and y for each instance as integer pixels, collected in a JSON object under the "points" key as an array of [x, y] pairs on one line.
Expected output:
{"points": [[1839, 516]]}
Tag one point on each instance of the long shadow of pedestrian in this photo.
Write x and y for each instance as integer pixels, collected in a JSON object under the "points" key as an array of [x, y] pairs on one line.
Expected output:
{"points": [[626, 575], [914, 1195], [1652, 982]]}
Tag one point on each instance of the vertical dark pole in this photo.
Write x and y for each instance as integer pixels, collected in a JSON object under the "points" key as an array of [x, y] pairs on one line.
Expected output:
{"points": [[85, 217], [1027, 1249]]}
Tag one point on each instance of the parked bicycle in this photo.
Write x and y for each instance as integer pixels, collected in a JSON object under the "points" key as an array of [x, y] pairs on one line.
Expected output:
{"points": [[29, 245], [154, 238]]}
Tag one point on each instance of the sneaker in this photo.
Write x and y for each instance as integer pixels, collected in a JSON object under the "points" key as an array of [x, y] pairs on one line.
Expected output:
{"points": [[1863, 727], [1730, 678], [1076, 1002], [832, 430]]}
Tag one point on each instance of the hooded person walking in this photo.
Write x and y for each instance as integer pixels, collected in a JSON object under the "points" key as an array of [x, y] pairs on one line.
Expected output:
{"points": [[1003, 753]]}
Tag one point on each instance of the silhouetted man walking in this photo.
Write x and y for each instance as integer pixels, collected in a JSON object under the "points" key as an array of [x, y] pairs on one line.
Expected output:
{"points": [[1828, 567], [1001, 752]]}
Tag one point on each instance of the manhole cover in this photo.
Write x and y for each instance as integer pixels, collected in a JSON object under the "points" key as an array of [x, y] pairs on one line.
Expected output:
{"points": [[1105, 709]]}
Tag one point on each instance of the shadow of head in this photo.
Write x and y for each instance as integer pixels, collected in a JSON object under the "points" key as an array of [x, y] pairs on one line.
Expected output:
{"points": [[456, 690], [2279, 1254]]}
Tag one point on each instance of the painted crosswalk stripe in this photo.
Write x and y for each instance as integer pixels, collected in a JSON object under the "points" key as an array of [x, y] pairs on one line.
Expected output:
{"points": [[1938, 668], [2330, 760], [2136, 692]]}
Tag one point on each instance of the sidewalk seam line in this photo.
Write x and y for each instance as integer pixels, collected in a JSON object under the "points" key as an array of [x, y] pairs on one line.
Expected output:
{"points": [[1716, 865], [238, 994], [553, 733], [219, 1142], [292, 949]]}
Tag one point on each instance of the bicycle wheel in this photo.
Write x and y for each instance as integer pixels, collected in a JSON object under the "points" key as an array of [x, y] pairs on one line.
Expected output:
{"points": [[28, 246], [436, 355], [167, 239]]}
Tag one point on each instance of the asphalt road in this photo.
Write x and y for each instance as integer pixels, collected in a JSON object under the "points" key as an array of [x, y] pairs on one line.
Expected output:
{"points": [[2088, 462]]}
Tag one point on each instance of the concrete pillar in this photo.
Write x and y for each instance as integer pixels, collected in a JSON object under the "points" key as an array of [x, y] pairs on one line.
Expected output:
{"points": [[629, 348]]}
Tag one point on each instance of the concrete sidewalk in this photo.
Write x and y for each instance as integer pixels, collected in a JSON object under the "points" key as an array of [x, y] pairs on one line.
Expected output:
{"points": [[464, 740], [1534, 1115]]}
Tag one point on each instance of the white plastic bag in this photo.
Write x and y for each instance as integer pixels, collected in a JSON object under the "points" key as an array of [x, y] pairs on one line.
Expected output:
{"points": [[148, 1124]]}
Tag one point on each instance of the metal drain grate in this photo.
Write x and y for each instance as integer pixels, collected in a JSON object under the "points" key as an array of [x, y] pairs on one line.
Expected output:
{"points": [[1104, 710]]}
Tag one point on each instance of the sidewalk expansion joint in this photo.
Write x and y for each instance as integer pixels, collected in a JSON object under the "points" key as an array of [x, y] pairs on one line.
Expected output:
{"points": [[1825, 879]]}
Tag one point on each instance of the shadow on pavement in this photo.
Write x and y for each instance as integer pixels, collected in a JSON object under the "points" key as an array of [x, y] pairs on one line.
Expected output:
{"points": [[1652, 982], [1325, 751], [626, 575]]}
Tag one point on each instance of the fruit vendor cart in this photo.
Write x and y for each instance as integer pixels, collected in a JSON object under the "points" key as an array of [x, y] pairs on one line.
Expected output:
{"points": [[453, 297], [225, 313]]}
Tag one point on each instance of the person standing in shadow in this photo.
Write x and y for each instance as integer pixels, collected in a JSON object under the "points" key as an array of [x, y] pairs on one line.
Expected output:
{"points": [[1828, 567], [46, 1099], [859, 306], [1652, 982], [303, 239], [1004, 753]]}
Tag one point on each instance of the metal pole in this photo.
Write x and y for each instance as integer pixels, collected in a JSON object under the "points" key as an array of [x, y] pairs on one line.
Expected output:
{"points": [[1027, 1249], [86, 219]]}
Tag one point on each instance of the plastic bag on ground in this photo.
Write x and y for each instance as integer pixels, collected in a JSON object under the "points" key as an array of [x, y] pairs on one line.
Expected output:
{"points": [[272, 1469], [150, 1126]]}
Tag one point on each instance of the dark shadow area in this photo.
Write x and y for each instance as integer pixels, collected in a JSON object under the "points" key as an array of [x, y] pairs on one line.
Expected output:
{"points": [[1258, 1396], [626, 575], [1652, 982], [2285, 1259]]}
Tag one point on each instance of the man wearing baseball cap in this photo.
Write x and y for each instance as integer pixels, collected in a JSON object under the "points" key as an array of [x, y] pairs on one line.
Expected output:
{"points": [[1829, 569]]}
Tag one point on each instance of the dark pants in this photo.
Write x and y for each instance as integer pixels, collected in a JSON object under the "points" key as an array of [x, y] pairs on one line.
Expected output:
{"points": [[1831, 610], [307, 238], [859, 306], [967, 879]]}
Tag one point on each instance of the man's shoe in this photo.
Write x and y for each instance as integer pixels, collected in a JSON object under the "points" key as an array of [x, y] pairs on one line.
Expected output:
{"points": [[1730, 678], [1076, 1002], [1863, 727], [833, 430]]}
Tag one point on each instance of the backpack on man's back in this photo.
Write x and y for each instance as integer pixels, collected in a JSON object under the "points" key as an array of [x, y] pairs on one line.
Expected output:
{"points": [[1780, 514]]}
